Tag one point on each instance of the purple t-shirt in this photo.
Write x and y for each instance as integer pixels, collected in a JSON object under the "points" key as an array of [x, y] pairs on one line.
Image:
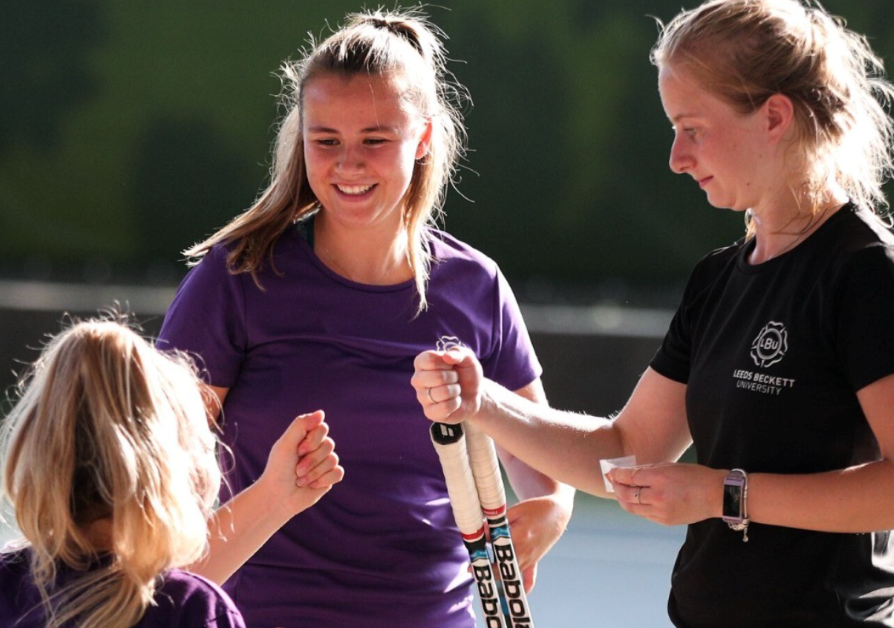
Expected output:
{"points": [[381, 549], [182, 599]]}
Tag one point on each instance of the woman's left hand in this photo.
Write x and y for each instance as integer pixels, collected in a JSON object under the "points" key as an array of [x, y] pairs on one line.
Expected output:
{"points": [[670, 493], [536, 524]]}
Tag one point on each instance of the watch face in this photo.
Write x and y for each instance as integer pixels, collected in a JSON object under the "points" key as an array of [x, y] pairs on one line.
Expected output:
{"points": [[732, 498]]}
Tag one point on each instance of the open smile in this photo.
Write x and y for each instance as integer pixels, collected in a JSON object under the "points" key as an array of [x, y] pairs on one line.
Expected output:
{"points": [[354, 190]]}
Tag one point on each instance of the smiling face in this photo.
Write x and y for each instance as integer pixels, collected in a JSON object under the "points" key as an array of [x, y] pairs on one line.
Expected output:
{"points": [[361, 143], [731, 155]]}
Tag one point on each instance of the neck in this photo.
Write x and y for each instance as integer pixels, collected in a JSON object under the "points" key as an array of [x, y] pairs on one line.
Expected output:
{"points": [[367, 257], [779, 230], [99, 534]]}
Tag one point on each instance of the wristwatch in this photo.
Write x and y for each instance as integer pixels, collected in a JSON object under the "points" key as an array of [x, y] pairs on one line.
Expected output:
{"points": [[735, 501]]}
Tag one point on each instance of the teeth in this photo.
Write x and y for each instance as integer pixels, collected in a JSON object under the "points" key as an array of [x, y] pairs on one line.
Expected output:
{"points": [[354, 189]]}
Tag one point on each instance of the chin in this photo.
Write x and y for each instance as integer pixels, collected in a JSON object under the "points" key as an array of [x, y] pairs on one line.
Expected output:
{"points": [[727, 204]]}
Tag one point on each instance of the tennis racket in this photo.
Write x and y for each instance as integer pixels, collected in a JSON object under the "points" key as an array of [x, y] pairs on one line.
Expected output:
{"points": [[475, 487]]}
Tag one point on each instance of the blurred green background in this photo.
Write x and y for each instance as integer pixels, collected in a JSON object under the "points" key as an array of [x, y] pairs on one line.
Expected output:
{"points": [[129, 130]]}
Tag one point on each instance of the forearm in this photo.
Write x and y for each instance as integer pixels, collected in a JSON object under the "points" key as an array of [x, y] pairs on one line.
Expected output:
{"points": [[857, 499], [560, 445], [238, 529]]}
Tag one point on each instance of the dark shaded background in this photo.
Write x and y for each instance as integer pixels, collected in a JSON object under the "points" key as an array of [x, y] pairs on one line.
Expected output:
{"points": [[129, 130]]}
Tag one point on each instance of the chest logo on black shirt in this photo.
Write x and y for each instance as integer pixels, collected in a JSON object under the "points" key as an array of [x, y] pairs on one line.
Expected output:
{"points": [[770, 345]]}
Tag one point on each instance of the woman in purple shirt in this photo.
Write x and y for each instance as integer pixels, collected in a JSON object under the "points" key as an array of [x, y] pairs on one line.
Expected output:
{"points": [[320, 296], [110, 466]]}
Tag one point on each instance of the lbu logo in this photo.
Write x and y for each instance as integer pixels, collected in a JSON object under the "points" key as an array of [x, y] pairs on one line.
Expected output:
{"points": [[770, 345]]}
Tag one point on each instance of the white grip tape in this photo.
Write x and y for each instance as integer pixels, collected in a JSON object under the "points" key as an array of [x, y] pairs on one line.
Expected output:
{"points": [[461, 486], [485, 468]]}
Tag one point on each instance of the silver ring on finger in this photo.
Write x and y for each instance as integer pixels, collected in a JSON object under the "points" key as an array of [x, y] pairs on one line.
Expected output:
{"points": [[637, 494], [428, 394]]}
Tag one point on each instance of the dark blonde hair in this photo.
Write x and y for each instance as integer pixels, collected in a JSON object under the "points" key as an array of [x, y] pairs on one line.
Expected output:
{"points": [[744, 51], [376, 43], [109, 428]]}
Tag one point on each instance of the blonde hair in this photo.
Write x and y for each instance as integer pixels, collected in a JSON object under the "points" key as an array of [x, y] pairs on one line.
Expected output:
{"points": [[375, 43], [744, 51], [109, 428]]}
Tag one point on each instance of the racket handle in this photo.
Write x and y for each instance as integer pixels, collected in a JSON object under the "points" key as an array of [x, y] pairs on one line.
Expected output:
{"points": [[486, 471], [450, 444], [489, 483]]}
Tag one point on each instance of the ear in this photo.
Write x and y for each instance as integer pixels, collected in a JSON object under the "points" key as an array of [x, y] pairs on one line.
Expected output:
{"points": [[424, 140], [779, 112]]}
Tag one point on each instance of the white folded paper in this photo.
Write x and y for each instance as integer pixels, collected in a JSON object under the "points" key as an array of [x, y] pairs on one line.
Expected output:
{"points": [[610, 463]]}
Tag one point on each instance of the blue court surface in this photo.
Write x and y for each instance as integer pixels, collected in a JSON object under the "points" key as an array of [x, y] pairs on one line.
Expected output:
{"points": [[610, 569]]}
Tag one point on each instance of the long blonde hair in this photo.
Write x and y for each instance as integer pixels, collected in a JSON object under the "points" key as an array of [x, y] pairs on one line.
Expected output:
{"points": [[375, 43], [108, 428], [744, 51]]}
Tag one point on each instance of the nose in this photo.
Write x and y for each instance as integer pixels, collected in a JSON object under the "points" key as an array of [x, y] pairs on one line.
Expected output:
{"points": [[681, 159], [350, 159]]}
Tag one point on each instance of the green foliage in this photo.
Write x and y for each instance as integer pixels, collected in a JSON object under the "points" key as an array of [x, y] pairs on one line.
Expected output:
{"points": [[130, 130]]}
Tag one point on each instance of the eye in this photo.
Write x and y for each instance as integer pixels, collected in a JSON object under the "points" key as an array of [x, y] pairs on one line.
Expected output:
{"points": [[325, 141], [688, 131], [374, 141]]}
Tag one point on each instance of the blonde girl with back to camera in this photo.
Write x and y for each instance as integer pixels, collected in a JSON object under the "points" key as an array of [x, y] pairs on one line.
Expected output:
{"points": [[111, 469]]}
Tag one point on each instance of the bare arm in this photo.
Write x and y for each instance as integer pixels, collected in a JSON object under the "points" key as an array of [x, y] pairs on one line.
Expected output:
{"points": [[856, 499], [301, 468], [527, 482], [562, 445], [541, 517], [568, 446]]}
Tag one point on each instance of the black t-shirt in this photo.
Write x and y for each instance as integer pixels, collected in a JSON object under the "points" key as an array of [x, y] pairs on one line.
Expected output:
{"points": [[773, 355]]}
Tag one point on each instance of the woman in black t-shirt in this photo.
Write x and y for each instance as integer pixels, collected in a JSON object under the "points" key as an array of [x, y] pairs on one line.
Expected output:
{"points": [[779, 363]]}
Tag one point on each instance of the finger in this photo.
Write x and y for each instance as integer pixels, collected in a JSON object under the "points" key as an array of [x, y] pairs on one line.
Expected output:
{"points": [[633, 495], [324, 466], [329, 479], [439, 394], [431, 379], [459, 356], [629, 476], [431, 360], [309, 465], [441, 412], [313, 439], [299, 428], [529, 577]]}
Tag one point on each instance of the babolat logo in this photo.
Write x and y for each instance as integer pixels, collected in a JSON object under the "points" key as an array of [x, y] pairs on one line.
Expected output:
{"points": [[487, 584], [770, 345], [513, 589], [487, 592]]}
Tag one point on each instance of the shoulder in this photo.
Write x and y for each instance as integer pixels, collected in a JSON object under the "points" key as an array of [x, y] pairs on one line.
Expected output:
{"points": [[19, 598], [188, 599], [447, 249], [861, 230], [713, 266], [14, 561], [720, 257], [858, 243], [220, 257]]}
